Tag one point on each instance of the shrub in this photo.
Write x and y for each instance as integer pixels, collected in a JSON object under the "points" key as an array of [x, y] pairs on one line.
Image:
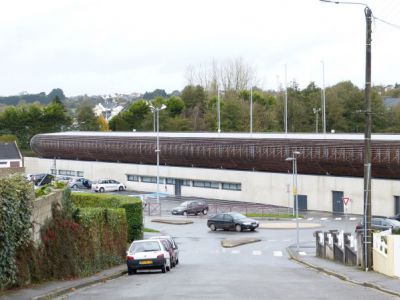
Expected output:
{"points": [[132, 206], [16, 197]]}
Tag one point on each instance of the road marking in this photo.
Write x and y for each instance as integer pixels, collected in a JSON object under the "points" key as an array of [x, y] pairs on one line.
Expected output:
{"points": [[287, 240], [302, 253], [310, 219], [278, 253], [324, 219], [338, 219], [353, 219], [257, 252], [271, 240], [235, 251]]}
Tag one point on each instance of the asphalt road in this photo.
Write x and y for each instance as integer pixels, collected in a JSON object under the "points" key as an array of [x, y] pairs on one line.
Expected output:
{"points": [[260, 270]]}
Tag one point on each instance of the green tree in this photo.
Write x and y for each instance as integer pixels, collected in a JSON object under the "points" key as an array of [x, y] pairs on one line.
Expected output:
{"points": [[86, 119], [175, 106]]}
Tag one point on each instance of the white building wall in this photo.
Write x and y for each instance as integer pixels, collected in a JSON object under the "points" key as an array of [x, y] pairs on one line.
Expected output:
{"points": [[262, 187]]}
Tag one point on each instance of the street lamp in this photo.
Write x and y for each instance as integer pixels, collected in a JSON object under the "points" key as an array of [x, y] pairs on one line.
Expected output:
{"points": [[293, 159], [316, 112], [156, 111]]}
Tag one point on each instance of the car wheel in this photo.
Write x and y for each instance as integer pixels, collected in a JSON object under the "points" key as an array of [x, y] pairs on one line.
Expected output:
{"points": [[164, 268], [252, 229], [75, 187], [169, 266], [131, 271], [121, 188], [184, 213], [101, 190], [177, 262], [205, 211], [238, 228], [212, 227]]}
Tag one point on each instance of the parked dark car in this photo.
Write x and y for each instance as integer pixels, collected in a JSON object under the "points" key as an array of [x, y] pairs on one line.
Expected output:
{"points": [[231, 221], [380, 224], [193, 207], [396, 217], [40, 180]]}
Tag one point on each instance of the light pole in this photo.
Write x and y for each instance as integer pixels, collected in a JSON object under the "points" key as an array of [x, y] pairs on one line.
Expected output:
{"points": [[293, 159], [286, 100], [156, 111], [251, 109], [316, 112], [219, 111], [367, 135], [323, 99]]}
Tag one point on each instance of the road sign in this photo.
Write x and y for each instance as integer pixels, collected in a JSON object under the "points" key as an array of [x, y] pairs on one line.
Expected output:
{"points": [[346, 200]]}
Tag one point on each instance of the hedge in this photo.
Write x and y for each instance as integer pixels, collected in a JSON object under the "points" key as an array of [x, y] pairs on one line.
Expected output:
{"points": [[133, 208]]}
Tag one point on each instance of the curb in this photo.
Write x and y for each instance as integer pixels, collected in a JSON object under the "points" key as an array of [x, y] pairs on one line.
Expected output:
{"points": [[231, 243], [66, 290], [340, 276], [172, 221]]}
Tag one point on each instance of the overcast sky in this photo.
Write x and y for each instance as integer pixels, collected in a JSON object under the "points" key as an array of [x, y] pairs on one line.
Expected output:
{"points": [[124, 46]]}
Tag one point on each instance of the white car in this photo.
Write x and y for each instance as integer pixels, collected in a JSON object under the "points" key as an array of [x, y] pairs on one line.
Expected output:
{"points": [[106, 185], [147, 255]]}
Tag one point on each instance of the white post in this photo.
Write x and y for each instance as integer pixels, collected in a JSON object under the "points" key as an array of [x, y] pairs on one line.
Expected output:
{"points": [[297, 203]]}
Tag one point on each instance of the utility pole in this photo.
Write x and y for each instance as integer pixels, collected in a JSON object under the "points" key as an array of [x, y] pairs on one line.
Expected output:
{"points": [[367, 143], [251, 109]]}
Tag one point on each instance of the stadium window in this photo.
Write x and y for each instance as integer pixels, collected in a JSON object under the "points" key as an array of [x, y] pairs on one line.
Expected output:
{"points": [[231, 186], [133, 177], [206, 184], [150, 179], [170, 181]]}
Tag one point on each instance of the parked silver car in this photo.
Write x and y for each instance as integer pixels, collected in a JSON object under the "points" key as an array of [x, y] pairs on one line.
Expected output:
{"points": [[107, 185], [80, 183]]}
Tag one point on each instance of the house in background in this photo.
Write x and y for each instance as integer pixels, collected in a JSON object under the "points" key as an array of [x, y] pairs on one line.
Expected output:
{"points": [[10, 158]]}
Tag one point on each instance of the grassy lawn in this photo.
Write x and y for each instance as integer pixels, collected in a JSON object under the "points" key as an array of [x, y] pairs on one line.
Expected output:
{"points": [[150, 230], [281, 216]]}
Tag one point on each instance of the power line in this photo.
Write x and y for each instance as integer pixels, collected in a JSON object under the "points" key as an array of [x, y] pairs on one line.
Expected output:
{"points": [[387, 23]]}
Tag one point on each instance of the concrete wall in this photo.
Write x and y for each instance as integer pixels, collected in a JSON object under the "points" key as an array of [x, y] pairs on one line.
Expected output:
{"points": [[9, 171], [262, 187], [387, 263], [6, 163], [42, 211]]}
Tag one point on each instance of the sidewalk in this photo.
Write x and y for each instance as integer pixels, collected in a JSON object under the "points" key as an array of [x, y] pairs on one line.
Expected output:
{"points": [[351, 274], [50, 290]]}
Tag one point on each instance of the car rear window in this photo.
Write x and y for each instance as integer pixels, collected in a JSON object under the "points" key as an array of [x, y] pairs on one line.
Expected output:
{"points": [[145, 246]]}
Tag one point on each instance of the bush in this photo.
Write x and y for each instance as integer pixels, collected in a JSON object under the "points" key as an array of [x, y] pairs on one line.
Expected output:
{"points": [[132, 206], [16, 197]]}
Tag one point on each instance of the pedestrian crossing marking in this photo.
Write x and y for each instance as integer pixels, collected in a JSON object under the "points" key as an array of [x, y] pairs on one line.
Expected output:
{"points": [[235, 251], [302, 253], [353, 219], [257, 252], [338, 219], [277, 253], [324, 219], [310, 219]]}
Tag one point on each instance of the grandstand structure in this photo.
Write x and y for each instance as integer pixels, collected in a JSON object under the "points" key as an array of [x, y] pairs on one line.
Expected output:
{"points": [[232, 166], [333, 154]]}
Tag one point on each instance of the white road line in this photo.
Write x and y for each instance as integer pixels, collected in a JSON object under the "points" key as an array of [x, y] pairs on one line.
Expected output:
{"points": [[287, 240], [257, 252], [302, 253], [338, 219], [353, 219], [310, 219], [324, 219], [278, 253], [235, 251], [271, 240]]}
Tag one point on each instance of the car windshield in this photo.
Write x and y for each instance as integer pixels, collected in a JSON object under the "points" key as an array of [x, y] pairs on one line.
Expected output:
{"points": [[394, 223], [186, 203], [145, 246], [238, 216]]}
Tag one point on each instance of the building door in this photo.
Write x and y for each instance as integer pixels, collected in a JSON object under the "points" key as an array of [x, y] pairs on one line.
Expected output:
{"points": [[178, 185], [396, 205], [337, 202], [302, 199]]}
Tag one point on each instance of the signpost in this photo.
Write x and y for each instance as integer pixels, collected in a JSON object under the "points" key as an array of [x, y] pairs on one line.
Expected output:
{"points": [[346, 202]]}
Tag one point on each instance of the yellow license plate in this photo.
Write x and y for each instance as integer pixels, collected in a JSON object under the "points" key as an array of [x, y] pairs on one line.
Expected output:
{"points": [[146, 262]]}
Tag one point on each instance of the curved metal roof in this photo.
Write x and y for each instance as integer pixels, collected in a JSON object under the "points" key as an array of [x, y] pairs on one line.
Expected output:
{"points": [[333, 154]]}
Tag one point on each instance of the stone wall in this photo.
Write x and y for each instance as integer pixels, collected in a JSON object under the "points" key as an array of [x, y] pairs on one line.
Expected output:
{"points": [[8, 171], [42, 211]]}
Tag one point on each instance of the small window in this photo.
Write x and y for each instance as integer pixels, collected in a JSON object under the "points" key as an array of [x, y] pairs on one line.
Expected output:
{"points": [[231, 186], [150, 179], [170, 181], [133, 177], [186, 183], [79, 173], [206, 184]]}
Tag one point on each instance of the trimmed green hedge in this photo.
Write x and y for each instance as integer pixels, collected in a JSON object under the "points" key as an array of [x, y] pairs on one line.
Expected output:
{"points": [[132, 206]]}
